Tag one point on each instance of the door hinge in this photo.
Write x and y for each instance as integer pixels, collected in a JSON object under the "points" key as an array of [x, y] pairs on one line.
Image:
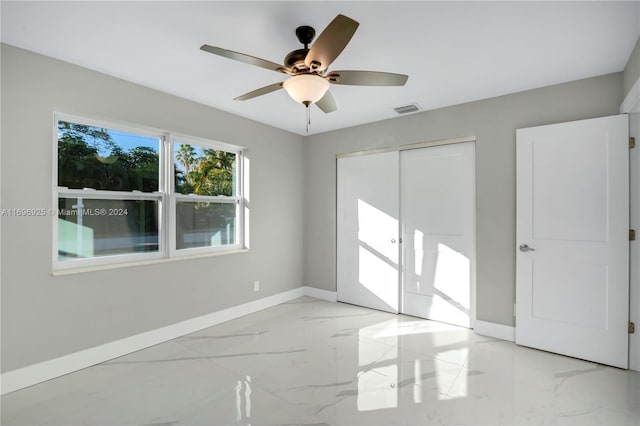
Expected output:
{"points": [[632, 234], [632, 327], [632, 142]]}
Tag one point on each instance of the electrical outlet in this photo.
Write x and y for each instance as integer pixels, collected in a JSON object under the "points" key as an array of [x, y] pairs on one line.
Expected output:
{"points": [[256, 286]]}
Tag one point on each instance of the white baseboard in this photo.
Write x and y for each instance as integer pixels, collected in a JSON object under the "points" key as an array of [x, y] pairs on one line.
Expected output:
{"points": [[318, 293], [492, 329], [47, 370]]}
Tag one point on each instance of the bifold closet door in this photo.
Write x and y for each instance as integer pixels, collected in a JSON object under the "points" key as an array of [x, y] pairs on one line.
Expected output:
{"points": [[437, 199], [368, 230]]}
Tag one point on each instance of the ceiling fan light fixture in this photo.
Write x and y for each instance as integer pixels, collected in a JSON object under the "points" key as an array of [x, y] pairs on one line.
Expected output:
{"points": [[306, 88]]}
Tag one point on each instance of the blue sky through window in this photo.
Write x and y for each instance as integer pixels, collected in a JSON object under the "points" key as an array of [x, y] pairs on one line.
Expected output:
{"points": [[126, 141], [129, 141], [198, 153]]}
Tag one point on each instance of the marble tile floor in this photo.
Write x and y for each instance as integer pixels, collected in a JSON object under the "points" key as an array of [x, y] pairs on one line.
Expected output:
{"points": [[311, 362]]}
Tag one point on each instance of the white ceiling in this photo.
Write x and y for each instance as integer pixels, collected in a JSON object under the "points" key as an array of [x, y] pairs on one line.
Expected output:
{"points": [[453, 52]]}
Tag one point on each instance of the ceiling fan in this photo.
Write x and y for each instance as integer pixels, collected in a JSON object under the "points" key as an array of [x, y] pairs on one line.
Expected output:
{"points": [[309, 80]]}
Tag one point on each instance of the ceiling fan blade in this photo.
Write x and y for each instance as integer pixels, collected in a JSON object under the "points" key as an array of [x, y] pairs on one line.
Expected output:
{"points": [[259, 92], [247, 59], [367, 78], [327, 103], [330, 43]]}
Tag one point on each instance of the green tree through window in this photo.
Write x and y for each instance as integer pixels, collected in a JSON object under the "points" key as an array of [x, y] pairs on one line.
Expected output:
{"points": [[89, 157], [204, 171]]}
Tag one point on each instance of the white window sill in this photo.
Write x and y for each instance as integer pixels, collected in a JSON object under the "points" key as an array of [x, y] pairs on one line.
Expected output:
{"points": [[94, 268]]}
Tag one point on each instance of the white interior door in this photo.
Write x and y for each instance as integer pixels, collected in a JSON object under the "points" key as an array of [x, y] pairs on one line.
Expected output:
{"points": [[572, 291], [367, 224], [438, 229]]}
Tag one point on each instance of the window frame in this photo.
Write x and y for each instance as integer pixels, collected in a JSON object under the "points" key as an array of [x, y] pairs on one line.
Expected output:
{"points": [[175, 197], [165, 196]]}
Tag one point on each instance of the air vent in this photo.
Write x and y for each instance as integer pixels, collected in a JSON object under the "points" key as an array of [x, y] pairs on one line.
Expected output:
{"points": [[406, 109]]}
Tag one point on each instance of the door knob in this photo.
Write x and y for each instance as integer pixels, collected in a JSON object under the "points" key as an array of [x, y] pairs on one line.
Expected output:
{"points": [[393, 241], [525, 248]]}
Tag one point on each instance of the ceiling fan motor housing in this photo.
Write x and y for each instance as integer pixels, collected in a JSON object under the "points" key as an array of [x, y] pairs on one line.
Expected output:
{"points": [[295, 60]]}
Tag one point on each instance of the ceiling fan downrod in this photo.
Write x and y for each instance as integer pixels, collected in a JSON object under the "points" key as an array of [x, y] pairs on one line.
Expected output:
{"points": [[305, 35]]}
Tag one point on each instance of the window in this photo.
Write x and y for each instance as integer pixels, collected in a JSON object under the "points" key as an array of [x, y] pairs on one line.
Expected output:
{"points": [[207, 204], [128, 194]]}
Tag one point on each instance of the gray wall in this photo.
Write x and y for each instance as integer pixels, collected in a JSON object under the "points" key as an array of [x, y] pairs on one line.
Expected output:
{"points": [[493, 122], [292, 229], [632, 69], [45, 316]]}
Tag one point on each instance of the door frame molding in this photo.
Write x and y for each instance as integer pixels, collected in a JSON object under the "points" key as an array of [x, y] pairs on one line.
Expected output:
{"points": [[408, 146], [418, 145], [631, 105]]}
